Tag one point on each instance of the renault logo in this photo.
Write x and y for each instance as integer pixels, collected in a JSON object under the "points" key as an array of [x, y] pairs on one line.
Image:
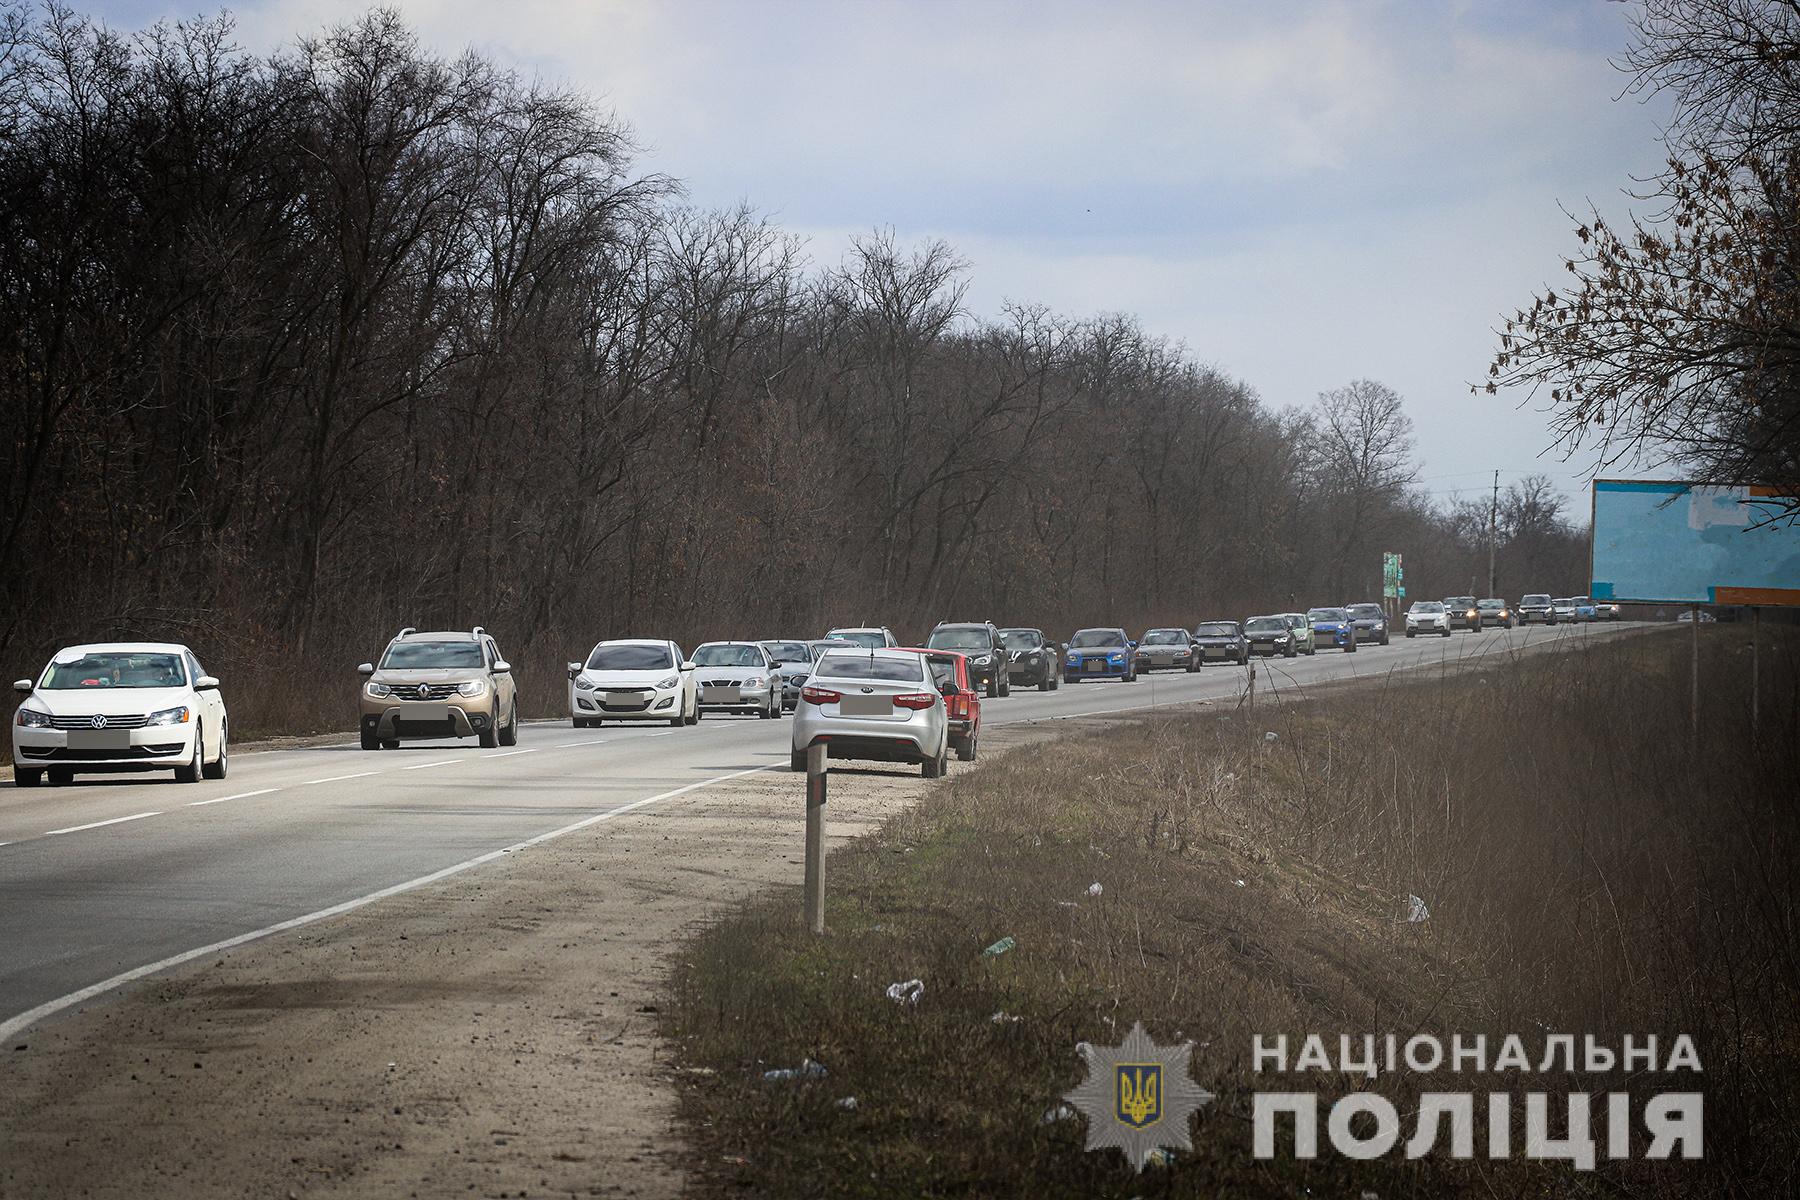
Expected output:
{"points": [[424, 691], [98, 721]]}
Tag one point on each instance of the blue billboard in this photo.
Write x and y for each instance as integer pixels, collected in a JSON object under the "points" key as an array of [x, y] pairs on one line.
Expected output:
{"points": [[1682, 543]]}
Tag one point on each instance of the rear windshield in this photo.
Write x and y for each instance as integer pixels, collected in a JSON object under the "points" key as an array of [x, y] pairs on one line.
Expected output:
{"points": [[426, 656], [1021, 639], [1217, 629], [861, 637], [630, 658], [959, 639], [728, 656], [843, 664], [116, 670], [1091, 639]]}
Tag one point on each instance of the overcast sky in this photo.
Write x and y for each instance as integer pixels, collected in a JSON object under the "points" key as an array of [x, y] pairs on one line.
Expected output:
{"points": [[1302, 193]]}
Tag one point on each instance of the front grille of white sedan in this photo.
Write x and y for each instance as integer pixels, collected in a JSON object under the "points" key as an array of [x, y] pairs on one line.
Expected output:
{"points": [[110, 721]]}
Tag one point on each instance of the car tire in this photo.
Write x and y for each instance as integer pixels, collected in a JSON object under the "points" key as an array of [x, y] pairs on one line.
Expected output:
{"points": [[1193, 664], [489, 738], [509, 736], [934, 768], [1382, 640], [796, 760], [1005, 684], [1409, 633], [28, 776], [190, 772], [1056, 681], [391, 744], [1446, 631], [218, 768], [578, 722], [61, 775], [993, 688], [965, 748], [1047, 682], [1312, 649], [1350, 646], [369, 740]]}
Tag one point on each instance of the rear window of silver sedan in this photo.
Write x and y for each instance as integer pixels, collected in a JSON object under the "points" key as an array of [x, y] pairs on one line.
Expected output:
{"points": [[890, 668]]}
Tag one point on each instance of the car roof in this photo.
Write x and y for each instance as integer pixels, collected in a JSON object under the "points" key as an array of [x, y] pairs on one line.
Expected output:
{"points": [[441, 635], [1020, 629], [123, 648], [633, 642], [856, 629], [730, 642], [960, 625]]}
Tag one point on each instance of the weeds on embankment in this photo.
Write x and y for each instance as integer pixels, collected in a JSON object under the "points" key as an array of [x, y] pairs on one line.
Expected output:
{"points": [[1588, 870]]}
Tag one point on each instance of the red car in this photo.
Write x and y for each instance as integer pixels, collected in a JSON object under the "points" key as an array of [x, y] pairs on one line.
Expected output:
{"points": [[962, 703]]}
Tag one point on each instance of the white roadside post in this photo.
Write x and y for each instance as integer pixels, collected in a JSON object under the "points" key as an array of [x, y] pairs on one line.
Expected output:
{"points": [[815, 837]]}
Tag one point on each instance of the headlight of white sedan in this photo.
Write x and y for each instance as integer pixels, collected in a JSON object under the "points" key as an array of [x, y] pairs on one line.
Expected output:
{"points": [[31, 718], [670, 682], [583, 684], [179, 715], [755, 681]]}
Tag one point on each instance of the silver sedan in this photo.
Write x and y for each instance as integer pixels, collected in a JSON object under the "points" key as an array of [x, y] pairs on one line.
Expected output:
{"points": [[880, 705], [737, 677]]}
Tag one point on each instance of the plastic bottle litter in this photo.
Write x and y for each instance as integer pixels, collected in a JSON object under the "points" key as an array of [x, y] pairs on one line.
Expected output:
{"points": [[907, 992], [1416, 910], [1095, 889], [1000, 947], [808, 1069]]}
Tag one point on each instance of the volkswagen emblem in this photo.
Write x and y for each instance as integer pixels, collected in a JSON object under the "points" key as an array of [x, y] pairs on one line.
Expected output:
{"points": [[424, 691], [98, 721]]}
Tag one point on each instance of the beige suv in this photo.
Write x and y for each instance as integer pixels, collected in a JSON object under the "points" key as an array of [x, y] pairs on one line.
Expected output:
{"points": [[438, 685]]}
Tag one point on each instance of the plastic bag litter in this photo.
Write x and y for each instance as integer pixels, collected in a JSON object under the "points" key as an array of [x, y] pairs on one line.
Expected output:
{"points": [[1239, 882], [1095, 889], [1062, 1112], [808, 1069], [847, 1103], [1270, 736], [1000, 947], [1416, 910], [907, 992], [1005, 1018]]}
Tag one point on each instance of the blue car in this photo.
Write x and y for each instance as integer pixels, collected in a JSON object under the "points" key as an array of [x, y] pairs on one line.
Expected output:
{"points": [[1333, 627], [1099, 654], [1370, 621]]}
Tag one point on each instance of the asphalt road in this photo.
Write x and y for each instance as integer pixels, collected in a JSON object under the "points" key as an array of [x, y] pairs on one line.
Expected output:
{"points": [[121, 874]]}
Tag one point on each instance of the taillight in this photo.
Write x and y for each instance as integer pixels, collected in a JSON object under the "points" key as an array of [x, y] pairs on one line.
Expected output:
{"points": [[819, 695], [915, 700]]}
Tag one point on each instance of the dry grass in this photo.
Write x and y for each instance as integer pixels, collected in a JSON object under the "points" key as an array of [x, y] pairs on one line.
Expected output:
{"points": [[1586, 868]]}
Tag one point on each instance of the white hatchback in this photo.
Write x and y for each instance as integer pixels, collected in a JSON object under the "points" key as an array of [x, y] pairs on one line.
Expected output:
{"points": [[633, 679], [121, 706]]}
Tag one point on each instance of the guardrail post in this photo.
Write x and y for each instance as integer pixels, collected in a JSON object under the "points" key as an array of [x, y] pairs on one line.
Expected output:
{"points": [[815, 837], [1694, 685]]}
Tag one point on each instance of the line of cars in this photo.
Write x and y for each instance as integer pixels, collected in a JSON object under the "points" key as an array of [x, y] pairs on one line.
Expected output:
{"points": [[1472, 615]]}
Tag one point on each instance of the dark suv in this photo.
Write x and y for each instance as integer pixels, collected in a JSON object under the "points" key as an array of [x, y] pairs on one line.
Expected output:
{"points": [[1032, 658], [980, 641]]}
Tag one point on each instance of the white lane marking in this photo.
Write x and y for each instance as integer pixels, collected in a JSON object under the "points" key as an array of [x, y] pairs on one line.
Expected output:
{"points": [[28, 1018], [442, 762], [98, 824], [338, 778], [510, 753], [589, 742], [239, 796]]}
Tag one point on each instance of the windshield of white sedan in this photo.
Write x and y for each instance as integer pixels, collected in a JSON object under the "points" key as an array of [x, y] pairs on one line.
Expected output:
{"points": [[1096, 639], [843, 665], [1021, 639], [1166, 637], [431, 656], [116, 671], [630, 658], [959, 639], [1428, 606], [728, 656]]}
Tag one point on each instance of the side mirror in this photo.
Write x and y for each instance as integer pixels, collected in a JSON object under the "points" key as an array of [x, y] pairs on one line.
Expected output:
{"points": [[687, 666], [574, 669], [22, 686], [366, 669], [1131, 645], [206, 683], [502, 667]]}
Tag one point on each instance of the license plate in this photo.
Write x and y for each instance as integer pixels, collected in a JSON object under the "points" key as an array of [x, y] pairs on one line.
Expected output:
{"points": [[1095, 665], [99, 739], [722, 695], [866, 706], [624, 697]]}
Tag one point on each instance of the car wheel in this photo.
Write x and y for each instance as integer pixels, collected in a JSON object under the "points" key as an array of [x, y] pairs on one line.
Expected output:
{"points": [[578, 722], [1383, 640], [1350, 646], [678, 720], [391, 744], [1312, 649], [509, 736], [797, 760], [62, 775], [218, 768], [489, 738], [993, 687], [934, 768], [1055, 681], [369, 740], [1046, 682], [190, 773], [1446, 631], [1005, 684], [1193, 664], [965, 748], [27, 776], [1409, 633]]}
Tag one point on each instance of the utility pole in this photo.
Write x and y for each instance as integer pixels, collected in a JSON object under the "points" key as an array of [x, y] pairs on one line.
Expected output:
{"points": [[1493, 531]]}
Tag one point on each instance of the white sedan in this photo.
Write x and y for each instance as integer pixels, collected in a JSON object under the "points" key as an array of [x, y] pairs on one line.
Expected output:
{"points": [[633, 679], [1427, 616], [121, 706]]}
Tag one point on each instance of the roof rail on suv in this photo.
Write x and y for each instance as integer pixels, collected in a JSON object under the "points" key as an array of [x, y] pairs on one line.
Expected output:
{"points": [[404, 632], [477, 632]]}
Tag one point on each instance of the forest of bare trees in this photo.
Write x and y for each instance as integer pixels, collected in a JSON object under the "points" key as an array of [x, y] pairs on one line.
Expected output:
{"points": [[301, 349]]}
